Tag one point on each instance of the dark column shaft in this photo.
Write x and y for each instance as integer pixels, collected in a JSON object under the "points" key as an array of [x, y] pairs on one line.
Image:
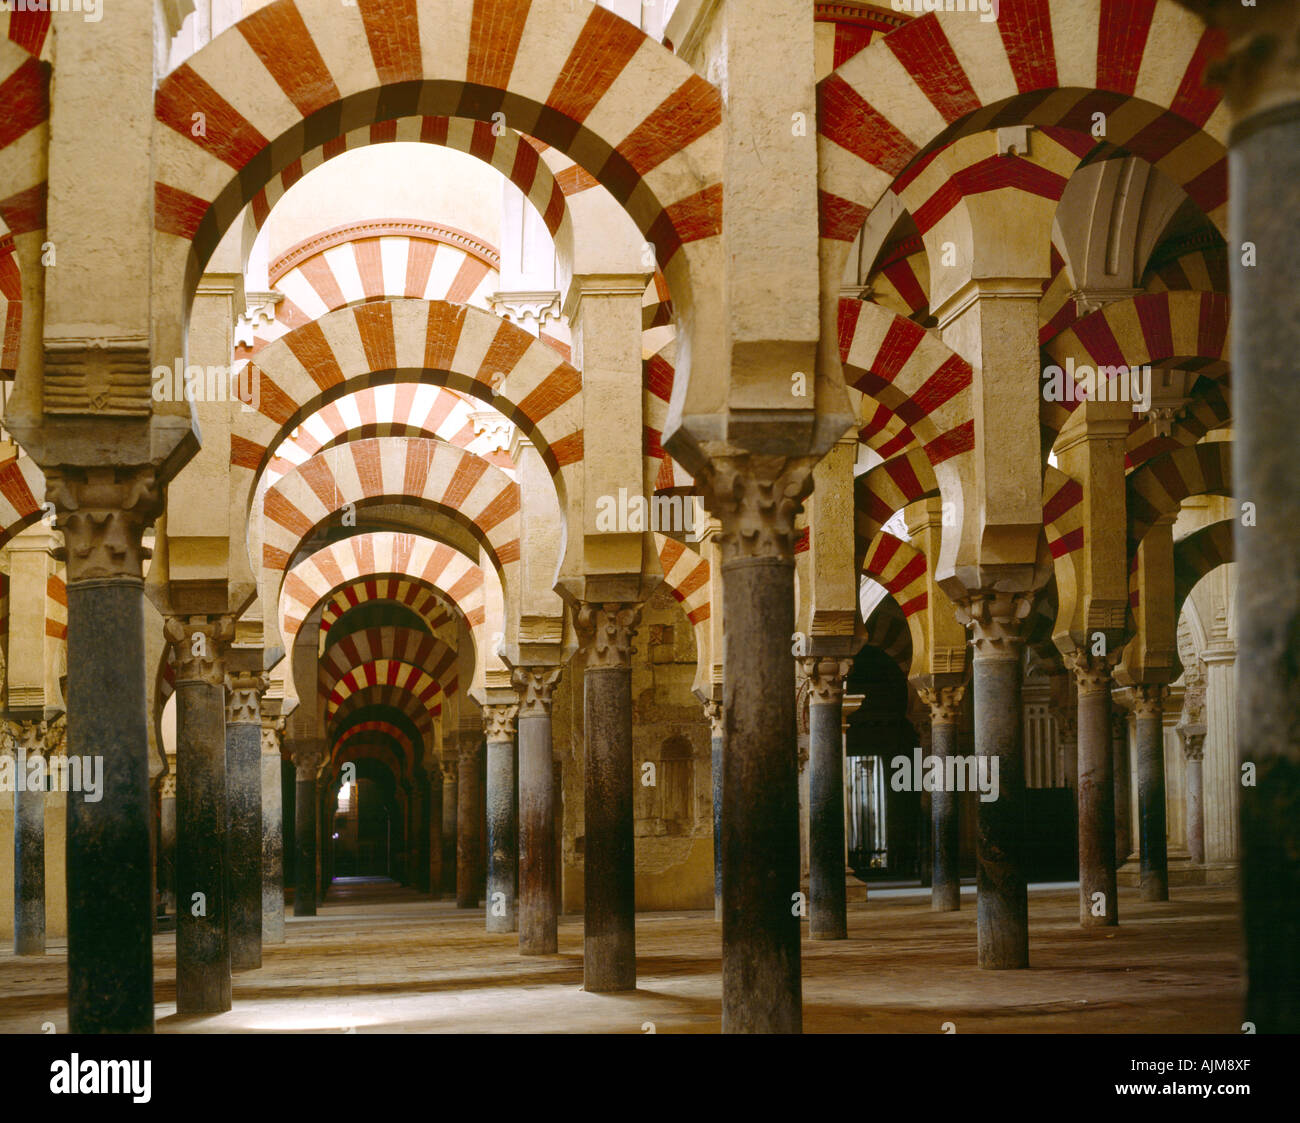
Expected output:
{"points": [[1123, 803], [828, 904], [1096, 808], [202, 855], [1003, 902], [110, 910], [609, 922], [433, 833], [272, 844], [538, 906], [503, 837], [1151, 800], [945, 877], [244, 784], [469, 881], [761, 985], [304, 892], [449, 798], [29, 872], [167, 846], [714, 712]]}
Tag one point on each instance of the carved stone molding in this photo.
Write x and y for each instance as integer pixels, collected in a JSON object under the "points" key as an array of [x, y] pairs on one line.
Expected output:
{"points": [[101, 376], [1149, 699], [535, 686], [1092, 673], [825, 679], [756, 498], [306, 763], [499, 722], [244, 697], [167, 786], [199, 646], [272, 735], [32, 738], [944, 702], [469, 750], [449, 768], [996, 621], [519, 307], [103, 513], [1193, 738], [607, 631], [714, 712]]}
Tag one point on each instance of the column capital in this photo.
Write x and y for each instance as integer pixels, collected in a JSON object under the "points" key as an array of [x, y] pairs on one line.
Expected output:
{"points": [[448, 765], [499, 721], [470, 746], [997, 623], [244, 692], [944, 702], [715, 713], [307, 762], [1149, 699], [33, 737], [825, 679], [1193, 739], [756, 499], [167, 786], [535, 686], [1092, 673], [606, 631], [199, 645], [103, 513], [272, 735]]}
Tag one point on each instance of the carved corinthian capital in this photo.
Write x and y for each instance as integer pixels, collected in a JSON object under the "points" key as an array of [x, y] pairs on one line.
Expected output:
{"points": [[825, 679], [1149, 699], [1092, 673], [272, 735], [198, 646], [103, 513], [714, 712], [449, 764], [167, 786], [499, 722], [535, 686], [944, 702], [307, 762], [244, 697], [607, 631], [756, 498], [996, 621]]}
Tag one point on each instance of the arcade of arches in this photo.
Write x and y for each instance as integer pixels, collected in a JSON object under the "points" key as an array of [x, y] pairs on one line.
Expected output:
{"points": [[500, 468]]}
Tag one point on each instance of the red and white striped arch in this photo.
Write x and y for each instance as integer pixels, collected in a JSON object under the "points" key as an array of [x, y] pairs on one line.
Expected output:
{"points": [[405, 409], [1158, 488], [297, 74], [383, 565], [402, 645], [1048, 63], [370, 679], [686, 574], [366, 729], [473, 351], [900, 568], [426, 603], [22, 491], [885, 490]]}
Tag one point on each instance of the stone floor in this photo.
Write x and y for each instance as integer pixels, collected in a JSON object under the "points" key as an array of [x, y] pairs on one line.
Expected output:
{"points": [[380, 958]]}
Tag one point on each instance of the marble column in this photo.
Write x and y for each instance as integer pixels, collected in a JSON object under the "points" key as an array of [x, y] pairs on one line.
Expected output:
{"points": [[199, 648], [538, 892], [27, 746], [713, 711], [244, 794], [103, 513], [502, 826], [1148, 707], [1095, 779], [1193, 739], [1002, 904], [756, 500], [449, 822], [1121, 782], [469, 878], [945, 704], [609, 917], [167, 842], [272, 847], [828, 896], [307, 762]]}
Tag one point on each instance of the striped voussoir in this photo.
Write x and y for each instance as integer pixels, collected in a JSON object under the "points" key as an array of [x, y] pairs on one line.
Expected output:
{"points": [[1158, 488], [56, 603], [385, 729], [890, 631], [407, 568], [1197, 555], [471, 351], [365, 698], [1062, 513], [923, 386], [405, 409], [901, 568], [22, 491], [1058, 309], [686, 574], [371, 740], [402, 645], [387, 601], [296, 74], [371, 679], [886, 489], [1187, 330], [378, 261], [663, 474], [1204, 270], [24, 143], [1054, 64], [900, 281]]}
